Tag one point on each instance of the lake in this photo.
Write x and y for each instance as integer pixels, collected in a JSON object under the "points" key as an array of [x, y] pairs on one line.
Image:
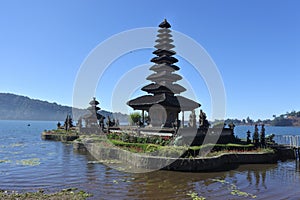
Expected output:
{"points": [[28, 163]]}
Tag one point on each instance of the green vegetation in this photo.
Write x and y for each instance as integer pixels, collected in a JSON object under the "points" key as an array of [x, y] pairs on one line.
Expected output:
{"points": [[126, 137], [195, 196], [152, 147], [29, 162], [234, 189], [282, 120], [63, 131], [135, 118], [4, 161], [70, 193], [136, 147], [288, 119]]}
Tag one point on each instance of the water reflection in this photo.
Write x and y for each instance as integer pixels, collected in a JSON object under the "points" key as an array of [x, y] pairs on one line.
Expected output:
{"points": [[260, 180], [61, 167]]}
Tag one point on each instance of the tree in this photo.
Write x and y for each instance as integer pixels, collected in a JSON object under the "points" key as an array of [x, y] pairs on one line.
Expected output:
{"points": [[249, 121], [263, 136], [135, 118], [256, 136]]}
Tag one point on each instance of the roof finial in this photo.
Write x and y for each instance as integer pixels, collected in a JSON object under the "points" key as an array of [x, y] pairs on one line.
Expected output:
{"points": [[165, 24]]}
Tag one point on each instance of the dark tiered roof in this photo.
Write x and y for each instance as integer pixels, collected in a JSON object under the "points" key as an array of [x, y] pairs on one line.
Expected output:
{"points": [[164, 76], [158, 68], [164, 88], [157, 88], [94, 102], [144, 102], [93, 109], [161, 52]]}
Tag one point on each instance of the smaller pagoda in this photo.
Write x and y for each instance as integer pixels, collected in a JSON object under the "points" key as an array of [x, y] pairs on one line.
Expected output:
{"points": [[93, 120], [163, 102]]}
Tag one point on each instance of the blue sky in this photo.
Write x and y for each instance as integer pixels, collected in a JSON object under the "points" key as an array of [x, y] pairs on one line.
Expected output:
{"points": [[255, 45]]}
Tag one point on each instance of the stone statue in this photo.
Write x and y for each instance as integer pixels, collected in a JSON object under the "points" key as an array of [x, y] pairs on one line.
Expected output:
{"points": [[108, 121], [192, 120], [248, 137], [231, 126], [58, 125], [80, 122], [101, 122], [203, 122]]}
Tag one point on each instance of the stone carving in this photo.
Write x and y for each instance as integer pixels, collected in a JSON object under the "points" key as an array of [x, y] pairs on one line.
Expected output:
{"points": [[203, 122], [248, 137], [192, 120]]}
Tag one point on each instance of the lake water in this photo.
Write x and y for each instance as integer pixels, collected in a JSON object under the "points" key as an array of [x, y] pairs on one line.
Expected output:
{"points": [[28, 163]]}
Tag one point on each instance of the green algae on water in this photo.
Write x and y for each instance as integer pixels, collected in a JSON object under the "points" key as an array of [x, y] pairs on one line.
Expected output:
{"points": [[29, 162]]}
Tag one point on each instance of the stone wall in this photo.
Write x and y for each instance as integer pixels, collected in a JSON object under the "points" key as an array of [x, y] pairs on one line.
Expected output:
{"points": [[177, 164], [59, 137]]}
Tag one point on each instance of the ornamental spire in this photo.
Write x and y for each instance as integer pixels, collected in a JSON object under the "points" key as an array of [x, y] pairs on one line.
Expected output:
{"points": [[164, 77]]}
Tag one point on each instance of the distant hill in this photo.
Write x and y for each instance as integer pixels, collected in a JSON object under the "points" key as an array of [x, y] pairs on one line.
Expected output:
{"points": [[16, 107], [289, 119]]}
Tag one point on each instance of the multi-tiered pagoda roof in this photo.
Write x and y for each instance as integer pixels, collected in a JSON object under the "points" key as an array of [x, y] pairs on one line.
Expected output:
{"points": [[164, 90], [93, 108]]}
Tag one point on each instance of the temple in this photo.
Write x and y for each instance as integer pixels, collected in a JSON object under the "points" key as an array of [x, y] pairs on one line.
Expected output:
{"points": [[92, 118], [93, 121], [163, 102]]}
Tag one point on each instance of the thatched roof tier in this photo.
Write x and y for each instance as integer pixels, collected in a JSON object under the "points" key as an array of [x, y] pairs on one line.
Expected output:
{"points": [[164, 67], [164, 76], [179, 102], [164, 59], [164, 52], [158, 88]]}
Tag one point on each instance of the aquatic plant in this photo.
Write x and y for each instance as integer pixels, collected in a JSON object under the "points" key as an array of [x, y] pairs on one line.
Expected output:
{"points": [[29, 162], [5, 161], [69, 193], [17, 145], [234, 189], [195, 196]]}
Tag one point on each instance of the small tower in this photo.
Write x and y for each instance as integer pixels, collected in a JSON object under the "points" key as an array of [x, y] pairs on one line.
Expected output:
{"points": [[93, 108], [91, 119]]}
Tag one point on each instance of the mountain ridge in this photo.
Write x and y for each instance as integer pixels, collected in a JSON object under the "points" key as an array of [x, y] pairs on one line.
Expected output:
{"points": [[19, 107]]}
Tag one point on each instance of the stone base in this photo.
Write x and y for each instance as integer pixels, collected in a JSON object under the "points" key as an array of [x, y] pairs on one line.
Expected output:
{"points": [[135, 160]]}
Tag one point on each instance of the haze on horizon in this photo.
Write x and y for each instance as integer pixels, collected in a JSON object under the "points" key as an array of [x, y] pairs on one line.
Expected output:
{"points": [[255, 45]]}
